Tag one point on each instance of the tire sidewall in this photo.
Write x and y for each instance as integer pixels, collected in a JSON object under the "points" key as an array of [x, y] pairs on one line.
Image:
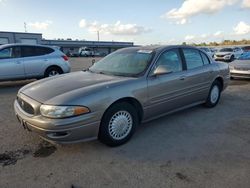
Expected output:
{"points": [[104, 134], [47, 72], [209, 102]]}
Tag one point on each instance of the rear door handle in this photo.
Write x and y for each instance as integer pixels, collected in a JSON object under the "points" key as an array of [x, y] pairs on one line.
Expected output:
{"points": [[211, 71], [18, 62]]}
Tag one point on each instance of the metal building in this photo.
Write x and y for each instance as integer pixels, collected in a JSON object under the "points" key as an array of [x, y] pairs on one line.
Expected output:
{"points": [[66, 46]]}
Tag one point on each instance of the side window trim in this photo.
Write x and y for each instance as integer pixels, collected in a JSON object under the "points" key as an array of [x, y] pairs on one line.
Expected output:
{"points": [[205, 57]]}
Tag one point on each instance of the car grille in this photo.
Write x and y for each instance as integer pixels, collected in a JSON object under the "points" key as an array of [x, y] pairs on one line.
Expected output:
{"points": [[25, 106], [220, 55], [242, 68]]}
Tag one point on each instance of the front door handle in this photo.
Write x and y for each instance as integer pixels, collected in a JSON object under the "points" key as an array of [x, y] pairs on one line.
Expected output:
{"points": [[182, 77], [18, 62]]}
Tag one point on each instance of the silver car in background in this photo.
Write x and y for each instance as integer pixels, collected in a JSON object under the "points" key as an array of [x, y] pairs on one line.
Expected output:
{"points": [[23, 61], [228, 54], [240, 68], [110, 99]]}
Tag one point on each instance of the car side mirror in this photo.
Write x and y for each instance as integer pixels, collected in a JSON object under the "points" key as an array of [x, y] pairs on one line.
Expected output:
{"points": [[160, 70]]}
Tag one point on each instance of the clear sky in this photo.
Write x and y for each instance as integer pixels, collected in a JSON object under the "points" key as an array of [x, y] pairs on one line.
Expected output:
{"points": [[143, 22]]}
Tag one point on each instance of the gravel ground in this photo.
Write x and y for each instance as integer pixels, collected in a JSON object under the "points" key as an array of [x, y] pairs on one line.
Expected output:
{"points": [[197, 147]]}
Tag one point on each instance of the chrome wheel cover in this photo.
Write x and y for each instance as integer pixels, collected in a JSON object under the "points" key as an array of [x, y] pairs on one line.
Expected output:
{"points": [[120, 125], [53, 73], [215, 93]]}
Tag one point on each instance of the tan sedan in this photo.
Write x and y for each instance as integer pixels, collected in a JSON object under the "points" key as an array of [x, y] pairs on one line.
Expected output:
{"points": [[110, 99]]}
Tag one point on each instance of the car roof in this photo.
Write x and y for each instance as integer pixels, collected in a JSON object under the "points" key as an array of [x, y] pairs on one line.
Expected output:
{"points": [[23, 44], [160, 47]]}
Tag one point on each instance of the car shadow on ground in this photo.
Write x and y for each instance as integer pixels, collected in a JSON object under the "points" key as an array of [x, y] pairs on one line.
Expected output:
{"points": [[14, 84]]}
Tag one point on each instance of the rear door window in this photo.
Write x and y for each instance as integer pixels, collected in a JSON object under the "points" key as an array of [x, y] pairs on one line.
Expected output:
{"points": [[193, 58], [30, 51]]}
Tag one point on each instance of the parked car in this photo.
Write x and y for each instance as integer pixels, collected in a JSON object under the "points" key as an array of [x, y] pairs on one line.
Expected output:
{"points": [[228, 54], [23, 61], [240, 68], [86, 52], [246, 48], [110, 99]]}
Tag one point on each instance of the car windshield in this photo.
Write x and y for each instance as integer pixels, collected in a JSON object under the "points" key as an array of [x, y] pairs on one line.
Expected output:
{"points": [[245, 56], [126, 62], [226, 50]]}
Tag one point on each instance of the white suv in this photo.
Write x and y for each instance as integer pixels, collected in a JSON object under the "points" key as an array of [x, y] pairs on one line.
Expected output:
{"points": [[23, 61], [228, 54]]}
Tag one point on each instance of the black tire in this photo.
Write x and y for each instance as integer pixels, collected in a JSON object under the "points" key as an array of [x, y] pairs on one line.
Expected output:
{"points": [[105, 135], [210, 103], [49, 71], [231, 58]]}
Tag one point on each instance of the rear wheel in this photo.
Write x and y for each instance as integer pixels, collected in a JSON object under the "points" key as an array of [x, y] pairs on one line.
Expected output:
{"points": [[52, 71], [118, 124], [214, 94]]}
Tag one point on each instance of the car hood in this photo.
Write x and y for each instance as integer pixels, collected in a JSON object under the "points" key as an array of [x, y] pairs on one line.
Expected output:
{"points": [[223, 53], [241, 63], [62, 88]]}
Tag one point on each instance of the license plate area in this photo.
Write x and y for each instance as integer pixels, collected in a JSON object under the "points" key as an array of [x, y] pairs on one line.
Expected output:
{"points": [[22, 123]]}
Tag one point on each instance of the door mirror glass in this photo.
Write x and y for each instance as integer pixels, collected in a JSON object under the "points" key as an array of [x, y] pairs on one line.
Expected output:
{"points": [[160, 70]]}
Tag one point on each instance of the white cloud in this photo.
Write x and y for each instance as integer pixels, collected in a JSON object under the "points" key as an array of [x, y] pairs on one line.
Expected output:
{"points": [[218, 34], [191, 8], [204, 35], [189, 37], [246, 4], [242, 28], [40, 25], [116, 29], [82, 23]]}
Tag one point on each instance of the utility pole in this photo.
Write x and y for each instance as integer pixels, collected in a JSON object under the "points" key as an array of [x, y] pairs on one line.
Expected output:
{"points": [[98, 35], [25, 27]]}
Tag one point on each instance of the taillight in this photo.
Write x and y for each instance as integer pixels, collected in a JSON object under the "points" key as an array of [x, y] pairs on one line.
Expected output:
{"points": [[65, 58]]}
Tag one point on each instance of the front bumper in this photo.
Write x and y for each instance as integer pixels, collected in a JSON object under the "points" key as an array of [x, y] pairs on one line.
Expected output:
{"points": [[224, 58], [68, 130], [240, 73]]}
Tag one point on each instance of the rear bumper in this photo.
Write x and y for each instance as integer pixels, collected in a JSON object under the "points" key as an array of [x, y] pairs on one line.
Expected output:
{"points": [[62, 131]]}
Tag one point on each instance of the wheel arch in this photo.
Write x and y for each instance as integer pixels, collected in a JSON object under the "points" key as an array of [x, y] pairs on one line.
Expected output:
{"points": [[132, 101], [221, 81]]}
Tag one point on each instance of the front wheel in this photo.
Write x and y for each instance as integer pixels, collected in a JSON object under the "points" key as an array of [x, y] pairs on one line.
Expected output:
{"points": [[214, 94], [118, 124]]}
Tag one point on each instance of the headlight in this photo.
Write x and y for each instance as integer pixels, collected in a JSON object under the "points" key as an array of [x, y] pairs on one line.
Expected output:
{"points": [[62, 111], [231, 67]]}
